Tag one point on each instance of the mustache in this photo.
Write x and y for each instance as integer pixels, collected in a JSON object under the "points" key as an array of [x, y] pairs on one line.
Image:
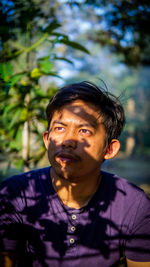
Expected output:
{"points": [[67, 154]]}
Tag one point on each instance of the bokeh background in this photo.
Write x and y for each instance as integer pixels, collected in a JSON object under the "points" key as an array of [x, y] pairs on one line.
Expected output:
{"points": [[45, 44]]}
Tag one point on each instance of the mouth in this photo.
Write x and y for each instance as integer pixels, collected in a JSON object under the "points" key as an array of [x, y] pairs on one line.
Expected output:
{"points": [[66, 157]]}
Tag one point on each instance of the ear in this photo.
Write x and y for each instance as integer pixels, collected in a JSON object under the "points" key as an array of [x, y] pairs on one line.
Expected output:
{"points": [[112, 149], [46, 139]]}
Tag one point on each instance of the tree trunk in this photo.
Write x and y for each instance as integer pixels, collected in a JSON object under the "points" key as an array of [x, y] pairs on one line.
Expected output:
{"points": [[26, 137], [27, 128]]}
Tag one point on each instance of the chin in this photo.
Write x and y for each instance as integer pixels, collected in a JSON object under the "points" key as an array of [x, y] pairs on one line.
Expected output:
{"points": [[65, 172], [62, 169], [66, 175]]}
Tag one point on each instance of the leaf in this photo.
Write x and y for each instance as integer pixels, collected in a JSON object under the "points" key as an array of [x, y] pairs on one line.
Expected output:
{"points": [[52, 26], [10, 107], [35, 73], [14, 145], [15, 118], [38, 93], [15, 79], [74, 45], [43, 58], [5, 71], [64, 59], [23, 114], [60, 35], [17, 133], [46, 66], [55, 75]]}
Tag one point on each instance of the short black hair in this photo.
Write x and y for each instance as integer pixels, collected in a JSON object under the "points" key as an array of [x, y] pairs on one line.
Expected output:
{"points": [[110, 108]]}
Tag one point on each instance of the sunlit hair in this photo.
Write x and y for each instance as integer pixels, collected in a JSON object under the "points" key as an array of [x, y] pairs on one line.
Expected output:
{"points": [[109, 106]]}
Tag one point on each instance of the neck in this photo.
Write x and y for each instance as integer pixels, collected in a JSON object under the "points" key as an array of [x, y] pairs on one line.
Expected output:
{"points": [[76, 193]]}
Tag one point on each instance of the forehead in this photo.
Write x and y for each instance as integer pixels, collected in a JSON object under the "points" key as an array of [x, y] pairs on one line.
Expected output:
{"points": [[79, 109]]}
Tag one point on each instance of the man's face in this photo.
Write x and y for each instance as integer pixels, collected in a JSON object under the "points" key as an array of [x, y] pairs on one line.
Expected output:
{"points": [[76, 140]]}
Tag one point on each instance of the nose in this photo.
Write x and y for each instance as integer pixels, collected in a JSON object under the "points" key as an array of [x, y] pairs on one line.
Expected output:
{"points": [[69, 140]]}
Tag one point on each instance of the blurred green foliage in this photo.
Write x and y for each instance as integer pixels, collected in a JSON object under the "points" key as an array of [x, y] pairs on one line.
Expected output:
{"points": [[27, 32]]}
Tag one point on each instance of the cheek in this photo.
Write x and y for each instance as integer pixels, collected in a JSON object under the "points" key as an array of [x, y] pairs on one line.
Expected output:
{"points": [[54, 141], [95, 149], [52, 147]]}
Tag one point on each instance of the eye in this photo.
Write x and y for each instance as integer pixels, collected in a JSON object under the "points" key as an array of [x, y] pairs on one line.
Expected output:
{"points": [[85, 132], [59, 129]]}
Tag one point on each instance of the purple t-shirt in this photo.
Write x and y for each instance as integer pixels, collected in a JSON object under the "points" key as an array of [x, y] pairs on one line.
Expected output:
{"points": [[34, 222]]}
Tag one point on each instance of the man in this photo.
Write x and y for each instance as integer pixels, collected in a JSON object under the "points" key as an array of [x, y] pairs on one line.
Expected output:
{"points": [[72, 213]]}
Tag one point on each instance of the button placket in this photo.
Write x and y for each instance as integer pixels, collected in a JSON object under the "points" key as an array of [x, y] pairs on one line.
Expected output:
{"points": [[74, 217], [72, 241], [73, 228], [72, 238]]}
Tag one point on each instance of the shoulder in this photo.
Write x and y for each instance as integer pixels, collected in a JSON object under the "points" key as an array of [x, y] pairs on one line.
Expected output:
{"points": [[124, 194], [23, 196], [129, 207], [120, 184], [22, 182]]}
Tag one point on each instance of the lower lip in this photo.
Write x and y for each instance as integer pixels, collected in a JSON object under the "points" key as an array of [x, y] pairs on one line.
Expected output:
{"points": [[67, 160]]}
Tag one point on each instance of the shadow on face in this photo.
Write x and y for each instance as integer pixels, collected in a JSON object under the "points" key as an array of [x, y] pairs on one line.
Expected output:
{"points": [[76, 141]]}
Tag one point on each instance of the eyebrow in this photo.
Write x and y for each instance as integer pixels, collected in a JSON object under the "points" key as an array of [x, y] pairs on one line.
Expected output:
{"points": [[59, 122], [93, 124]]}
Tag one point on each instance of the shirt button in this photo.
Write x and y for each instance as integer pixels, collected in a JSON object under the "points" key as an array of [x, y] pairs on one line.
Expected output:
{"points": [[73, 228], [74, 217], [72, 240]]}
